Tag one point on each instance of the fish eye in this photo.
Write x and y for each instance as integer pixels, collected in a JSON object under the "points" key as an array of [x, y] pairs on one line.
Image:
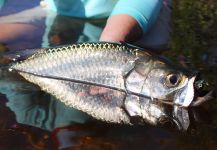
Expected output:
{"points": [[172, 80]]}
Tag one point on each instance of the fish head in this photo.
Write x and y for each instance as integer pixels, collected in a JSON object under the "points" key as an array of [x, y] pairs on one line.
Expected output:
{"points": [[159, 79], [170, 84]]}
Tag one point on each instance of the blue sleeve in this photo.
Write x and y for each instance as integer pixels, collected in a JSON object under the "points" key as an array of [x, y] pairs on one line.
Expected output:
{"points": [[2, 3], [144, 11]]}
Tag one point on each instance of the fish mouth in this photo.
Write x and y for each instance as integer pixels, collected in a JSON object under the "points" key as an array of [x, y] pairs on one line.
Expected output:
{"points": [[186, 94], [201, 95], [192, 96]]}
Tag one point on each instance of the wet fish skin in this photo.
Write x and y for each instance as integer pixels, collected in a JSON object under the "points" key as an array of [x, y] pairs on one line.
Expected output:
{"points": [[120, 69], [78, 95], [110, 106], [103, 64]]}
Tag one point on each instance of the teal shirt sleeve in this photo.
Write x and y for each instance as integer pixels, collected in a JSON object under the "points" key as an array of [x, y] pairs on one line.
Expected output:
{"points": [[144, 11], [1, 3]]}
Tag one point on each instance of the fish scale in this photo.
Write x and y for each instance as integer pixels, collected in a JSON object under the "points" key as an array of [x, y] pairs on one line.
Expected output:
{"points": [[94, 105], [89, 62]]}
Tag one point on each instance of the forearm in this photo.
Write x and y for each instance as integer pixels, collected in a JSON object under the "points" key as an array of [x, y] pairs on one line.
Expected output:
{"points": [[129, 20], [121, 27]]}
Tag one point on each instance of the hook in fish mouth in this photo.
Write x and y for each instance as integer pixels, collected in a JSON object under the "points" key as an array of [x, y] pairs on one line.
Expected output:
{"points": [[193, 94], [201, 96]]}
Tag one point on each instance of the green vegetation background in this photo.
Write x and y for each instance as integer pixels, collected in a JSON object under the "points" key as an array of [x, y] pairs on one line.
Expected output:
{"points": [[194, 24]]}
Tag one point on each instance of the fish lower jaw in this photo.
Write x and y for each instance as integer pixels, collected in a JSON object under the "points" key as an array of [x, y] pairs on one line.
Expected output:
{"points": [[185, 95]]}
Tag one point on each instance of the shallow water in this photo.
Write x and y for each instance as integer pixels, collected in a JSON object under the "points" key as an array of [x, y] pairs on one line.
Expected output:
{"points": [[32, 119]]}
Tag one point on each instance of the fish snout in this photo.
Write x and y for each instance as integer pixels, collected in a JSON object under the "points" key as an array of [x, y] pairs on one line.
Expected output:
{"points": [[202, 94]]}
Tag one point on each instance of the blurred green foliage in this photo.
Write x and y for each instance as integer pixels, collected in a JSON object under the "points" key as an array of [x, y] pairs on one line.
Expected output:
{"points": [[194, 26]]}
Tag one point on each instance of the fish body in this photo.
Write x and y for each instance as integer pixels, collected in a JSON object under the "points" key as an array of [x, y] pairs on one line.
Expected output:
{"points": [[109, 81], [103, 64]]}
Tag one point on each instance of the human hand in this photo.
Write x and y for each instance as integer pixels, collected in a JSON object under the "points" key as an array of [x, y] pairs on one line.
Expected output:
{"points": [[121, 27]]}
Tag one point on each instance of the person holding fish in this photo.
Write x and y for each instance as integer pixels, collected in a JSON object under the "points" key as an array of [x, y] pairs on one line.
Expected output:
{"points": [[128, 80]]}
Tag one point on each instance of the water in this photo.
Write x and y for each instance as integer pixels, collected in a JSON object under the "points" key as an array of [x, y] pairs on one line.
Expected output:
{"points": [[32, 119]]}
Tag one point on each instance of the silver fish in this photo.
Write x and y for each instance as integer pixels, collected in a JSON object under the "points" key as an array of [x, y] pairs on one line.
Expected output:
{"points": [[120, 80]]}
